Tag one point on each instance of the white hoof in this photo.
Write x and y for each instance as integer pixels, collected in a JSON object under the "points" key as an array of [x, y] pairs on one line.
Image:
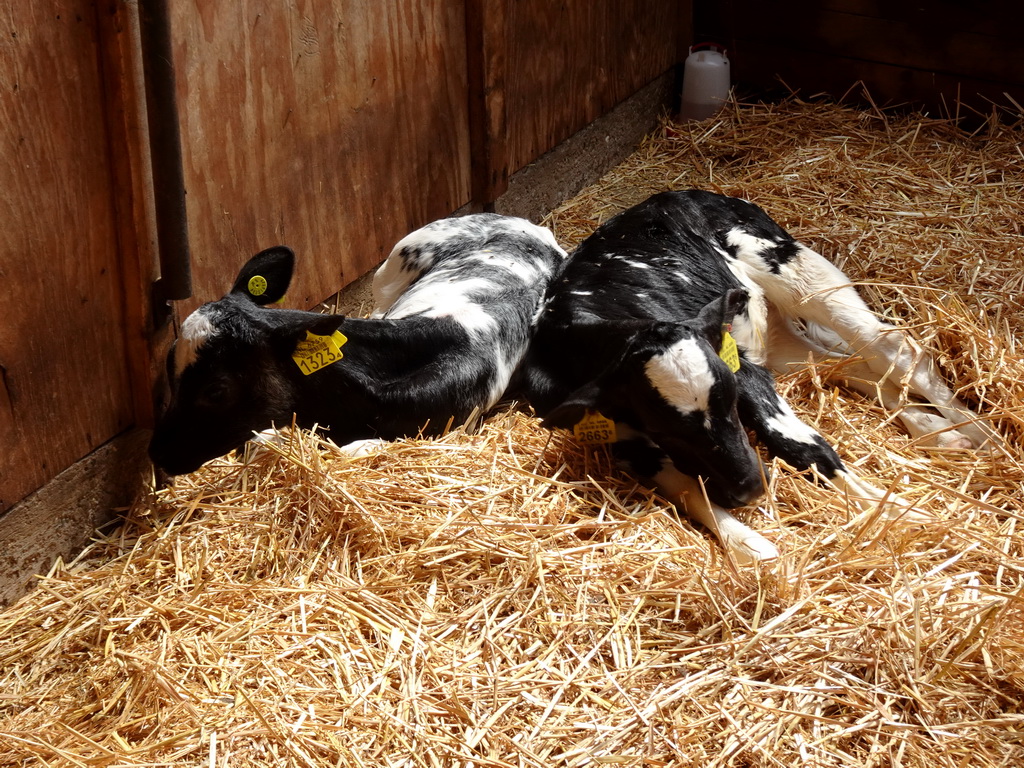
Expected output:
{"points": [[954, 441], [358, 448], [268, 437], [751, 549], [746, 545]]}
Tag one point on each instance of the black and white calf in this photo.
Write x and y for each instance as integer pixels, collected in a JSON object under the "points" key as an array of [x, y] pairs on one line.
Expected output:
{"points": [[455, 304], [639, 322]]}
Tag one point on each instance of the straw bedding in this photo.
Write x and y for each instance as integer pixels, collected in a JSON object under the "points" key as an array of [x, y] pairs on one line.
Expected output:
{"points": [[503, 597]]}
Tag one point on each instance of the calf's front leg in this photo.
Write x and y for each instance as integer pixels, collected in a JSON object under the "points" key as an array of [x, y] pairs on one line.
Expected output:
{"points": [[785, 435], [641, 457]]}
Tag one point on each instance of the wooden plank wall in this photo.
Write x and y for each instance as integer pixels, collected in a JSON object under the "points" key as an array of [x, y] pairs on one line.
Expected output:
{"points": [[568, 63], [337, 127], [928, 53], [64, 385], [331, 126]]}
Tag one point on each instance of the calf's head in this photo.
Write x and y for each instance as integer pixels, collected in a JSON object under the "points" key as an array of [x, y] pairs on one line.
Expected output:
{"points": [[231, 371], [670, 382]]}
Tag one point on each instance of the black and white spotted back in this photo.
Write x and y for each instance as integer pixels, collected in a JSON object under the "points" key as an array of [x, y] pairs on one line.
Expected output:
{"points": [[486, 272]]}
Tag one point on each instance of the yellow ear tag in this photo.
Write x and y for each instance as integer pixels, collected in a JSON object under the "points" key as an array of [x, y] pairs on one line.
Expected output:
{"points": [[317, 352], [729, 351], [257, 285], [595, 429]]}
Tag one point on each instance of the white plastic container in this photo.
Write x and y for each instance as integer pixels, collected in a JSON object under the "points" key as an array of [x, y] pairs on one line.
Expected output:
{"points": [[705, 82]]}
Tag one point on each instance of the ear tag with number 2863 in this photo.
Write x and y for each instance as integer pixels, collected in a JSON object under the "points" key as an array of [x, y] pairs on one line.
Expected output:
{"points": [[595, 429]]}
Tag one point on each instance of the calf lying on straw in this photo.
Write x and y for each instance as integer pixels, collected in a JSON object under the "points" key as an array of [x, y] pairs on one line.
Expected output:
{"points": [[455, 301], [663, 321]]}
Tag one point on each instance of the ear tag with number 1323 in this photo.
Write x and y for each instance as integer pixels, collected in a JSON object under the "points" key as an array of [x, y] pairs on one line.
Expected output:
{"points": [[316, 352]]}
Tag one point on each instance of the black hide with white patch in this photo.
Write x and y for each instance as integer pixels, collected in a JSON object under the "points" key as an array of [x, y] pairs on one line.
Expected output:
{"points": [[460, 296], [633, 328]]}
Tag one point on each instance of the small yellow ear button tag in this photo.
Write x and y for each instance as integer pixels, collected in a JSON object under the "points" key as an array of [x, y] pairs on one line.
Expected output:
{"points": [[729, 352], [257, 285], [595, 429], [316, 352]]}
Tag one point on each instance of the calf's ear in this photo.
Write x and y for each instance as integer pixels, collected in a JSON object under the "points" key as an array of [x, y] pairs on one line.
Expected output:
{"points": [[630, 344], [718, 314], [289, 326], [266, 276], [571, 411]]}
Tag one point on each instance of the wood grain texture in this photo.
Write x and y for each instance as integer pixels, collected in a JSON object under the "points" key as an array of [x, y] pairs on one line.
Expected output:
{"points": [[926, 52], [815, 73], [147, 338], [332, 127], [570, 62], [486, 32], [63, 383], [982, 17]]}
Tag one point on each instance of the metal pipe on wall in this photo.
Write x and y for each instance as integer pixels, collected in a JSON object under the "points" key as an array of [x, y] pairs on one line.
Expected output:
{"points": [[165, 151]]}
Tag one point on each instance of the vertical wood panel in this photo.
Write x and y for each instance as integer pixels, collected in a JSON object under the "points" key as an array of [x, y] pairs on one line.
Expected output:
{"points": [[570, 62], [931, 53], [983, 17], [333, 127], [146, 344], [935, 46], [63, 382], [486, 34]]}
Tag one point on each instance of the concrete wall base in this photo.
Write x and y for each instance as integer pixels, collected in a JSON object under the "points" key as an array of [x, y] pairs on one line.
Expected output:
{"points": [[58, 520], [587, 155]]}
